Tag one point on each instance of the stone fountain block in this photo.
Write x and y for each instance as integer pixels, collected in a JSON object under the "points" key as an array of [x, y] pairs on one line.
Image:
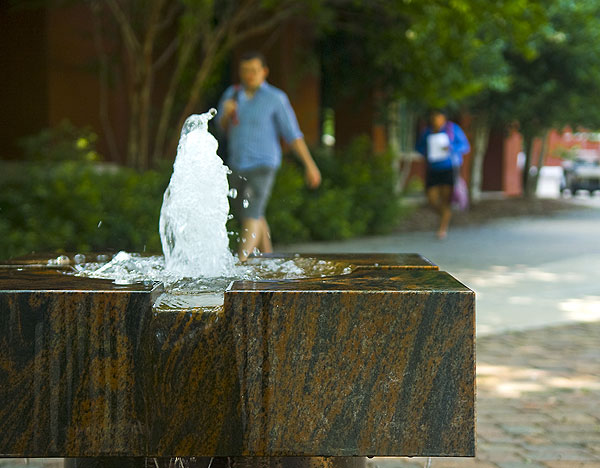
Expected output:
{"points": [[376, 362], [70, 363]]}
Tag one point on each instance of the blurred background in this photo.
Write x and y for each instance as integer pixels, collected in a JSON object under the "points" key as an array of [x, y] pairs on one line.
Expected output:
{"points": [[94, 94]]}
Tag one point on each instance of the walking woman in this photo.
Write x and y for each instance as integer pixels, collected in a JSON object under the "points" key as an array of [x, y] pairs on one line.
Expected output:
{"points": [[443, 143]]}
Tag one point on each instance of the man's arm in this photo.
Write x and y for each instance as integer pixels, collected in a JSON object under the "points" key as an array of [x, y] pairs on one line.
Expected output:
{"points": [[227, 108], [312, 174]]}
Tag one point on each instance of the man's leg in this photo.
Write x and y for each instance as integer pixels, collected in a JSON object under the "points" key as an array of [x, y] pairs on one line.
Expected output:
{"points": [[265, 245], [255, 195], [251, 236], [255, 235]]}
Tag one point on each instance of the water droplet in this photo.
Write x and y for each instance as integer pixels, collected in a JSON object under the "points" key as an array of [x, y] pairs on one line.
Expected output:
{"points": [[62, 260], [230, 216], [232, 193], [99, 224], [79, 258], [253, 235], [245, 203]]}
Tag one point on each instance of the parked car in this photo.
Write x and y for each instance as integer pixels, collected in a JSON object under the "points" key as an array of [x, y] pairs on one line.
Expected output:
{"points": [[581, 174]]}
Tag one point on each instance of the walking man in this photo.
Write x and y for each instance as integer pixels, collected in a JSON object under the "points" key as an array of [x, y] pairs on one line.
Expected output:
{"points": [[254, 116]]}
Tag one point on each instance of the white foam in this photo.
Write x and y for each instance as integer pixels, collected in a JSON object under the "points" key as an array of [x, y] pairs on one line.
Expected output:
{"points": [[195, 206]]}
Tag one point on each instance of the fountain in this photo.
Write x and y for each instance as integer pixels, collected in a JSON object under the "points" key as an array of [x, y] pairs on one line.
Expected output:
{"points": [[193, 235], [352, 355]]}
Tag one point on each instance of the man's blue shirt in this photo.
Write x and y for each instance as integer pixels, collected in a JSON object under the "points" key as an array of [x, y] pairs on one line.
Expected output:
{"points": [[253, 141]]}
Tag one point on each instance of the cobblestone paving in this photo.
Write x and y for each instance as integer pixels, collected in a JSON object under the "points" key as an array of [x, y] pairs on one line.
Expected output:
{"points": [[538, 402]]}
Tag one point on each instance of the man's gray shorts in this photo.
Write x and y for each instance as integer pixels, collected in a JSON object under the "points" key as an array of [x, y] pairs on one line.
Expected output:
{"points": [[253, 191]]}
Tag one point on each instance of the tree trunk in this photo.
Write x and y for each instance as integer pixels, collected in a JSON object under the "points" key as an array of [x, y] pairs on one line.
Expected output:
{"points": [[147, 78], [481, 133], [540, 162], [401, 140], [105, 121], [526, 176], [140, 33], [168, 102], [199, 81], [133, 134]]}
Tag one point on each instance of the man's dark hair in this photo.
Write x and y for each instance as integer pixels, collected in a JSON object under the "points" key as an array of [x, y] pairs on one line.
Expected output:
{"points": [[437, 110], [254, 54]]}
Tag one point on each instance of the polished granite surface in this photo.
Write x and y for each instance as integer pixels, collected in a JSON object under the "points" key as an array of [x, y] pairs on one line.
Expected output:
{"points": [[379, 361]]}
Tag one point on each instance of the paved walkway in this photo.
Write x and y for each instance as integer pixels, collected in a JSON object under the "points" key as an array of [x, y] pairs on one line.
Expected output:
{"points": [[538, 401], [528, 272]]}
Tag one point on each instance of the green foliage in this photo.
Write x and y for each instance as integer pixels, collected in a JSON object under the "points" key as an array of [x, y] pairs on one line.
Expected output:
{"points": [[78, 206], [567, 154], [59, 200], [557, 85], [65, 142], [437, 53], [415, 185], [356, 197], [73, 205]]}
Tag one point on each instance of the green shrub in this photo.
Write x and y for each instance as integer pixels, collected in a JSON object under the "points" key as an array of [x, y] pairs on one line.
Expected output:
{"points": [[287, 199], [75, 206], [356, 197], [65, 142], [61, 200]]}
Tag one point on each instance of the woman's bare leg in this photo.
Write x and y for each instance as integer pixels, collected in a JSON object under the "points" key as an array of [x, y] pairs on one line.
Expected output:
{"points": [[445, 210], [440, 198]]}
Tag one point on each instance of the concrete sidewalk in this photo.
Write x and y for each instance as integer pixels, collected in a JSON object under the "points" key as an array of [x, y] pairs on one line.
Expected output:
{"points": [[538, 402], [528, 272]]}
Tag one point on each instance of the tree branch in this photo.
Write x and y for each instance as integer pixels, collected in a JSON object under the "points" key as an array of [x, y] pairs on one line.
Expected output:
{"points": [[125, 26], [170, 16], [274, 20], [166, 55], [103, 81]]}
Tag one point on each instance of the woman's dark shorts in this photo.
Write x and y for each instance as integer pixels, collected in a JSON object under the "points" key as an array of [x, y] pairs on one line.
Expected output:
{"points": [[253, 191], [444, 177]]}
